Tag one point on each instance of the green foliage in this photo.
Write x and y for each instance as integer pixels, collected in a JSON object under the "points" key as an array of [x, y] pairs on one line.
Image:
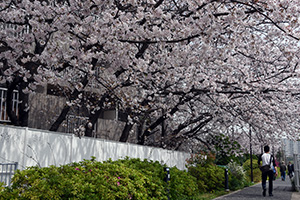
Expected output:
{"points": [[89, 179], [153, 170], [237, 176], [84, 180], [202, 158], [126, 179], [1, 186], [248, 156], [182, 185], [225, 149], [209, 177], [256, 170]]}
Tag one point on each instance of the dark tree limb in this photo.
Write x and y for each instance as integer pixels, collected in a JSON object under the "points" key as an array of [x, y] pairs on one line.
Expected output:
{"points": [[60, 119], [66, 109], [125, 132], [89, 127]]}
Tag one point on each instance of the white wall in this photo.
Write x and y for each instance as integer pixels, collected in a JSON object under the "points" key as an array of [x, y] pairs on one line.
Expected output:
{"points": [[31, 147]]}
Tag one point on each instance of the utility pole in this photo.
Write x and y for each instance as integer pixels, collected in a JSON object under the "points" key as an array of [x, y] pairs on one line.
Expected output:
{"points": [[251, 164]]}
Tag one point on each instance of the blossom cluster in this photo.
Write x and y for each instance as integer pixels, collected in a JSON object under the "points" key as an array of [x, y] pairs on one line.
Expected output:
{"points": [[201, 65]]}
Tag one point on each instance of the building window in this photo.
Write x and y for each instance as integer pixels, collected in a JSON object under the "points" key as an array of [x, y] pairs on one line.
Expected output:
{"points": [[14, 29], [3, 109], [74, 122]]}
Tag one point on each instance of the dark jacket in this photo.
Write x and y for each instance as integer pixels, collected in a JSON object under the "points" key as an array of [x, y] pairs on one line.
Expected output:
{"points": [[282, 168], [291, 168]]}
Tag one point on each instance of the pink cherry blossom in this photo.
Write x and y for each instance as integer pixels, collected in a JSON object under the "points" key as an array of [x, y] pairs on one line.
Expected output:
{"points": [[200, 68]]}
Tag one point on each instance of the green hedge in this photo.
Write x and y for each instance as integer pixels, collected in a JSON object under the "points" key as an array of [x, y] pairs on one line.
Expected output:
{"points": [[237, 176], [181, 185], [256, 170], [85, 180], [210, 177], [89, 179], [123, 179]]}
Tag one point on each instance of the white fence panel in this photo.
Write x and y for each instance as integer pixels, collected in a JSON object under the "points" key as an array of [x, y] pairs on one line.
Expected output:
{"points": [[110, 150], [12, 142], [156, 155], [46, 148], [30, 147], [98, 150]]}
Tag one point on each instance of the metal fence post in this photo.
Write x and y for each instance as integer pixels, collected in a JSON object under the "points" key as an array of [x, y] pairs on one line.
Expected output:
{"points": [[226, 180], [167, 179]]}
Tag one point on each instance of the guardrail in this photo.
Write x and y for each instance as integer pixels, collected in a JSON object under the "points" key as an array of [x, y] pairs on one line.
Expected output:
{"points": [[7, 170]]}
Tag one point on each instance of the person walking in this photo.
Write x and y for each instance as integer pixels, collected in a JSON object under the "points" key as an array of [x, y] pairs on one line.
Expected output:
{"points": [[282, 171], [268, 162], [290, 170]]}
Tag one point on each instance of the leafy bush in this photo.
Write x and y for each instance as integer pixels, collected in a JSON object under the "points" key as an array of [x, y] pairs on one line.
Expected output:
{"points": [[1, 186], [84, 180], [209, 177], [181, 185], [256, 170], [89, 179], [202, 158], [153, 170], [237, 177], [278, 172], [225, 148], [123, 179]]}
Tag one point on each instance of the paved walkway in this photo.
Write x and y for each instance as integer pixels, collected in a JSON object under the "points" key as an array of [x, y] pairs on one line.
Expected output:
{"points": [[282, 191]]}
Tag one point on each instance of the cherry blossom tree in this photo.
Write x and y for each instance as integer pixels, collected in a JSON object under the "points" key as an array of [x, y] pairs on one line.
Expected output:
{"points": [[194, 68]]}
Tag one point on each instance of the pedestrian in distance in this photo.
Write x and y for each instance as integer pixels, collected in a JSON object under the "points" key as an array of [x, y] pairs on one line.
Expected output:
{"points": [[268, 162], [290, 170], [282, 171]]}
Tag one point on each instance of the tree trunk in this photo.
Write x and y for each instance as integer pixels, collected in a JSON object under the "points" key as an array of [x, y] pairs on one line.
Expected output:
{"points": [[60, 119], [24, 106], [94, 117], [66, 109], [140, 135], [125, 132]]}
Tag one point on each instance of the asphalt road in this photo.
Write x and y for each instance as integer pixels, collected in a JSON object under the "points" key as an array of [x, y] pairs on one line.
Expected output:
{"points": [[282, 191]]}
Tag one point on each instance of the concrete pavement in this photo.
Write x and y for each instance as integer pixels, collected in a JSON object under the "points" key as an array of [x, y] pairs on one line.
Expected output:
{"points": [[282, 191]]}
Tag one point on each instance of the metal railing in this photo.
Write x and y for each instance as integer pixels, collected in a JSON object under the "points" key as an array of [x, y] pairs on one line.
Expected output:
{"points": [[7, 170]]}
